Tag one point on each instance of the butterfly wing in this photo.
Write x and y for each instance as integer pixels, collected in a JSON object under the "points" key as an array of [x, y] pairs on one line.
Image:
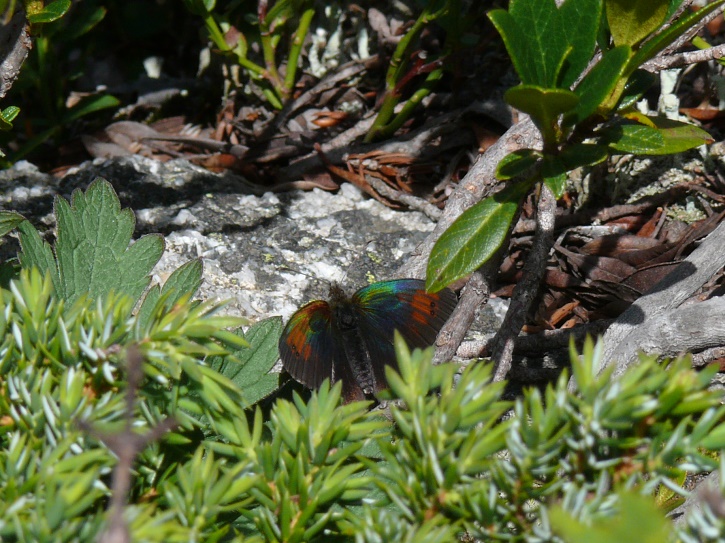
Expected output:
{"points": [[311, 350], [308, 346], [402, 305]]}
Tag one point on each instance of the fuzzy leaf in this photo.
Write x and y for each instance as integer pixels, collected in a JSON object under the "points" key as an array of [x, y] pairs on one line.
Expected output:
{"points": [[474, 237], [92, 249], [250, 371], [185, 280], [9, 220]]}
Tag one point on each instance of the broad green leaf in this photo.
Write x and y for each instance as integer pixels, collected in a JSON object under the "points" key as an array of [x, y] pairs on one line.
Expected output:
{"points": [[631, 21], [52, 12], [546, 36], [582, 154], [517, 163], [637, 84], [535, 39], [82, 25], [633, 139], [90, 104], [474, 237], [655, 45], [679, 136], [543, 105], [185, 280], [557, 184], [249, 367], [581, 19], [9, 220], [93, 250], [34, 252], [599, 83], [554, 171]]}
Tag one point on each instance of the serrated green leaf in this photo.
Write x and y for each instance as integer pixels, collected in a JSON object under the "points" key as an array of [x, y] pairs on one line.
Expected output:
{"points": [[185, 280], [9, 220], [544, 105], [633, 139], [631, 21], [599, 83], [250, 371], [34, 252], [582, 19], [52, 12], [93, 246], [516, 163], [474, 237]]}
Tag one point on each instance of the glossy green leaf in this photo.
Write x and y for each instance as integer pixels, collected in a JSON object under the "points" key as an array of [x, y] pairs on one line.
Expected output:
{"points": [[599, 83], [474, 237], [535, 39], [517, 163], [631, 21], [633, 139], [582, 154], [543, 105], [655, 45], [678, 136], [637, 84], [7, 116], [581, 19], [52, 12], [555, 174]]}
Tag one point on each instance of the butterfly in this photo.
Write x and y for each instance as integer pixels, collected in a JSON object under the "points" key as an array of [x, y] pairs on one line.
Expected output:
{"points": [[350, 339]]}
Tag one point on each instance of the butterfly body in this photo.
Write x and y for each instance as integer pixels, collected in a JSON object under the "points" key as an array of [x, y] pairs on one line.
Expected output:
{"points": [[350, 339]]}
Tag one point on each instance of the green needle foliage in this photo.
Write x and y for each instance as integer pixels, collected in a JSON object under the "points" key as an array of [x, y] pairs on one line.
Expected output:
{"points": [[451, 461]]}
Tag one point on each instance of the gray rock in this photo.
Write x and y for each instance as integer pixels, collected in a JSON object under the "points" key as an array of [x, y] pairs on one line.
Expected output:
{"points": [[266, 253]]}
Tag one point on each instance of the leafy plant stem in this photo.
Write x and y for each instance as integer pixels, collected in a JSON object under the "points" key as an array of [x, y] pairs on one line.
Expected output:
{"points": [[296, 48], [407, 109], [398, 64]]}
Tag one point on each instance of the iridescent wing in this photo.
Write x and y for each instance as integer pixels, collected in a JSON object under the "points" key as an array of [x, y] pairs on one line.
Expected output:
{"points": [[307, 346], [312, 351], [402, 305]]}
